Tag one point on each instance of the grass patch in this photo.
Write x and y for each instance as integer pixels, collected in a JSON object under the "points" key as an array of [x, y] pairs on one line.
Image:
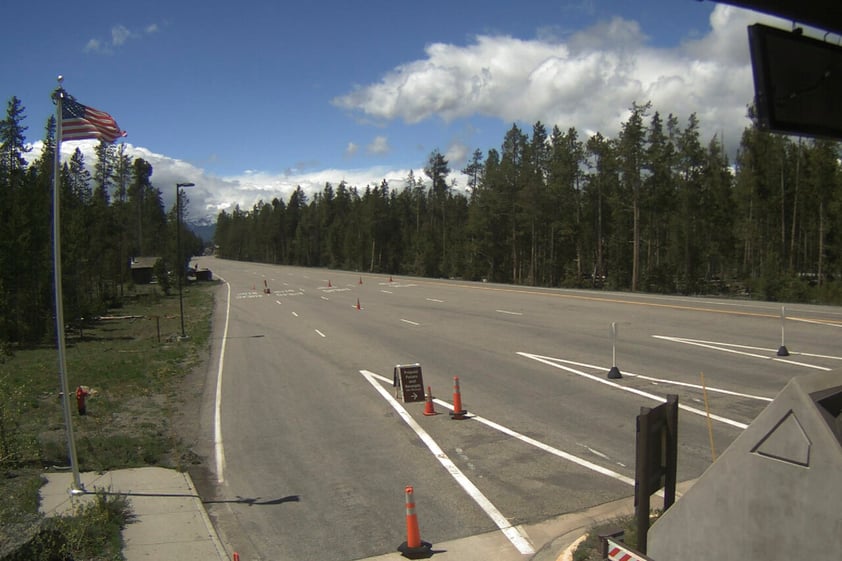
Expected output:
{"points": [[137, 365]]}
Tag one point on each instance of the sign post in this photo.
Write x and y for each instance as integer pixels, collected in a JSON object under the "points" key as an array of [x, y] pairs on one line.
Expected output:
{"points": [[408, 382], [657, 461]]}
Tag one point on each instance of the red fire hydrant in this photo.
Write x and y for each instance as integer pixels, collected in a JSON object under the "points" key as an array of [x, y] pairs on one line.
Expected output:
{"points": [[81, 393]]}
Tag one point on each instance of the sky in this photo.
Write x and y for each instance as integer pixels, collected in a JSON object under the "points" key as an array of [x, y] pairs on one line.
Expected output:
{"points": [[250, 99]]}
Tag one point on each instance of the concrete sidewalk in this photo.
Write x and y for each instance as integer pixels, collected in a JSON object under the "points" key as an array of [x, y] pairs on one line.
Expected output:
{"points": [[170, 521]]}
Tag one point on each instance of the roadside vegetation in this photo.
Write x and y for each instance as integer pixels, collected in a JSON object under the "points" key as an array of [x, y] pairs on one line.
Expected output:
{"points": [[130, 421]]}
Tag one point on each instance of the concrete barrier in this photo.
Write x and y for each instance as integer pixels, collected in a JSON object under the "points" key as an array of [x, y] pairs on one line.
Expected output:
{"points": [[775, 493]]}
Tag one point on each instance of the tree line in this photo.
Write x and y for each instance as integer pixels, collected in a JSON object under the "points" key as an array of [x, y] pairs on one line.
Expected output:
{"points": [[652, 209], [110, 212]]}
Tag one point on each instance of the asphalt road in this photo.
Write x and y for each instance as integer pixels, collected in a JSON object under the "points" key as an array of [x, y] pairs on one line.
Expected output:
{"points": [[311, 453]]}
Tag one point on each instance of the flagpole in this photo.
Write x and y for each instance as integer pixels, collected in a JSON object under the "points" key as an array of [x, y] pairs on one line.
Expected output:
{"points": [[76, 487]]}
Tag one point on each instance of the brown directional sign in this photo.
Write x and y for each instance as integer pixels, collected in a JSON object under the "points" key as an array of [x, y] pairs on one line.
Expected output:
{"points": [[408, 379]]}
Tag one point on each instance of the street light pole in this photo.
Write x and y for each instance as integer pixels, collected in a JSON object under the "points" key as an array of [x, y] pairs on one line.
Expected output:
{"points": [[180, 265]]}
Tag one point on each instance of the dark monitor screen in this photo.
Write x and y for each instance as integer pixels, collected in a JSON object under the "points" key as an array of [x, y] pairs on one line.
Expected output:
{"points": [[797, 82]]}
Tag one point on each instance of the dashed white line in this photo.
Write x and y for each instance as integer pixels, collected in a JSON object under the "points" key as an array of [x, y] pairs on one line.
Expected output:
{"points": [[508, 312], [409, 322], [320, 333], [515, 535], [434, 300], [386, 291], [295, 314]]}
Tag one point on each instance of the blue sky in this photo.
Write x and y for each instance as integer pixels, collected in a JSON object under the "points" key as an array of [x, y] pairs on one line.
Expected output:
{"points": [[249, 99]]}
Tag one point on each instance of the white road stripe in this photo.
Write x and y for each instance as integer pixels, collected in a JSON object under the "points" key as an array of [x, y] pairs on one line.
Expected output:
{"points": [[278, 302], [386, 291], [532, 442], [817, 322], [320, 333], [550, 361], [295, 314], [669, 382], [219, 449], [508, 312], [516, 535], [409, 322], [722, 347], [736, 346], [433, 300]]}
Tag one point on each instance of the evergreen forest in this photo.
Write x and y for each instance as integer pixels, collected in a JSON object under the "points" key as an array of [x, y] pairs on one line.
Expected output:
{"points": [[109, 213], [656, 208]]}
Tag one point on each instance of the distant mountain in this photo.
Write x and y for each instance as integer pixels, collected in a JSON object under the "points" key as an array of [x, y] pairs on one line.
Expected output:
{"points": [[204, 229]]}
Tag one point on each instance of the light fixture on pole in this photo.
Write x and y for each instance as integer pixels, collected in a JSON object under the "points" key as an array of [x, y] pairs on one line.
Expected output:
{"points": [[180, 264]]}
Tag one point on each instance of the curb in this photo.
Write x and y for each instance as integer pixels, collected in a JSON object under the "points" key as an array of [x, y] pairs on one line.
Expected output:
{"points": [[220, 549]]}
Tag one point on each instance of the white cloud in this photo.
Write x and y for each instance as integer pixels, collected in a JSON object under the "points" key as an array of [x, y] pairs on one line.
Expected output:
{"points": [[93, 46], [588, 81], [351, 149], [213, 194], [380, 145], [119, 34]]}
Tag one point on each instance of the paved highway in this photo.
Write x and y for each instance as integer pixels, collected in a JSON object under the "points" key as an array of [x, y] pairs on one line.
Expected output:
{"points": [[310, 452]]}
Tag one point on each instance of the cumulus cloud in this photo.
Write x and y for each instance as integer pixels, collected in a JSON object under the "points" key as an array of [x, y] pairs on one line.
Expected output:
{"points": [[351, 149], [380, 145], [120, 34], [213, 194], [588, 80]]}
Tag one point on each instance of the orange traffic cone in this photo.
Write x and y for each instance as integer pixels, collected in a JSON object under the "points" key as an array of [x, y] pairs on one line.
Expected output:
{"points": [[236, 556], [413, 547], [458, 413], [328, 283], [390, 278], [266, 287], [429, 409], [361, 280], [358, 304]]}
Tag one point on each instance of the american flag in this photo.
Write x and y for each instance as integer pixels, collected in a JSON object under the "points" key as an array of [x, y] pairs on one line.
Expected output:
{"points": [[80, 121]]}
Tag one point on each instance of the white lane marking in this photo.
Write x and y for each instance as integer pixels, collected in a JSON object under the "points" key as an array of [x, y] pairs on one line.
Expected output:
{"points": [[219, 449], [668, 382], [594, 452], [320, 333], [409, 322], [725, 348], [536, 443], [736, 346], [295, 314], [324, 298], [278, 302], [830, 323], [433, 300], [386, 292], [515, 535], [550, 361], [508, 312]]}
